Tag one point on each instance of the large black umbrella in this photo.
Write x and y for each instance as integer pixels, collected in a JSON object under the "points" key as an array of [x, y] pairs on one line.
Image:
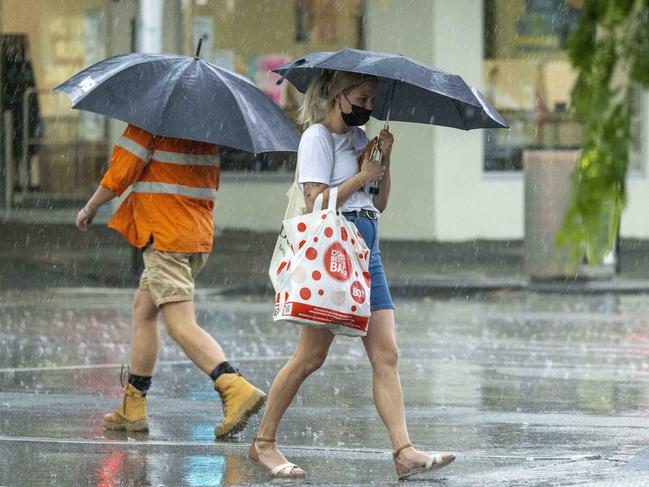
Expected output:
{"points": [[183, 97], [408, 91]]}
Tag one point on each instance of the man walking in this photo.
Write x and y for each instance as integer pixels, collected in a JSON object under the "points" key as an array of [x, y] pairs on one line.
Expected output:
{"points": [[168, 213]]}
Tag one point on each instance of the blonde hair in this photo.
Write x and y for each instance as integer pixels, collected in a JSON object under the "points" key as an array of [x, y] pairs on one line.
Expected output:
{"points": [[321, 94]]}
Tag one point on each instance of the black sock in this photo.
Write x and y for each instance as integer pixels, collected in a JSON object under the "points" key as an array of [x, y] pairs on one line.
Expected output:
{"points": [[140, 382], [223, 368]]}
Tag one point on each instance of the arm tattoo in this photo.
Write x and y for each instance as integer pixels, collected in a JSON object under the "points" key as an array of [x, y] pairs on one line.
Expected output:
{"points": [[313, 189]]}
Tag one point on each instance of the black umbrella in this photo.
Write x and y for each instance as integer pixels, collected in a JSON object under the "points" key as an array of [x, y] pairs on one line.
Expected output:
{"points": [[183, 97], [408, 91]]}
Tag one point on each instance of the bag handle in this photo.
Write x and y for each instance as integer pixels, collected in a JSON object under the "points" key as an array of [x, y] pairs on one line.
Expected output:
{"points": [[333, 197], [317, 204]]}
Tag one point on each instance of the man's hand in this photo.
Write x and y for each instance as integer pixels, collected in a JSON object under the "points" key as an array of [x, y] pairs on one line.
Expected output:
{"points": [[85, 217]]}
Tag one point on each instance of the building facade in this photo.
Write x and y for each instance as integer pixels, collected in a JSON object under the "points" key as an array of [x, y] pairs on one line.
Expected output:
{"points": [[448, 185]]}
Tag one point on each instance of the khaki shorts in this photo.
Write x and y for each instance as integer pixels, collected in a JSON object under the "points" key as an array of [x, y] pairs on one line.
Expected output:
{"points": [[169, 276]]}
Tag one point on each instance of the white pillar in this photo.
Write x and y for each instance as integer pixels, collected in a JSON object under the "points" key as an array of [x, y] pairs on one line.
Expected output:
{"points": [[406, 27], [150, 26], [470, 204]]}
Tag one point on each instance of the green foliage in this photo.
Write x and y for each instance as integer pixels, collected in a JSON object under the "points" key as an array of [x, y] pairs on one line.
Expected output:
{"points": [[610, 49]]}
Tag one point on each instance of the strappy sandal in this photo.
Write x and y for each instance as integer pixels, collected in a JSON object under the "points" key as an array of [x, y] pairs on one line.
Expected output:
{"points": [[284, 470], [434, 462]]}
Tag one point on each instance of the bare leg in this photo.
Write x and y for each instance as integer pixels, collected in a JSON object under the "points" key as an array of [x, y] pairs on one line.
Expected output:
{"points": [[381, 347], [200, 347], [131, 415], [145, 341], [310, 354]]}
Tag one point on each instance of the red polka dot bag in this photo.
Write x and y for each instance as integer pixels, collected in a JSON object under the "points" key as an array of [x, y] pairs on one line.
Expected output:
{"points": [[323, 279]]}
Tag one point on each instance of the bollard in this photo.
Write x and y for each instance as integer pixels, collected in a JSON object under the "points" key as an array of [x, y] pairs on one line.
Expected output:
{"points": [[24, 173], [8, 124]]}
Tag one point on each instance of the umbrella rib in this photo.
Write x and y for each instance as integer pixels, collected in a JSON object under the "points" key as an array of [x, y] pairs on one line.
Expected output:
{"points": [[236, 100], [459, 115], [169, 96]]}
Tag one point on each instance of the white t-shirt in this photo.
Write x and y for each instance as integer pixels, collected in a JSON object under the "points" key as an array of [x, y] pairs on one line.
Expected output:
{"points": [[315, 161]]}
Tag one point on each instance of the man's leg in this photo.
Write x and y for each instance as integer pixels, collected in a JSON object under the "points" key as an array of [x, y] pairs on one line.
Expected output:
{"points": [[200, 347], [240, 399], [145, 343]]}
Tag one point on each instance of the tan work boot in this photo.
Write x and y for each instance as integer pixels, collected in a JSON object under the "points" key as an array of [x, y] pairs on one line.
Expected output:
{"points": [[240, 401], [131, 415]]}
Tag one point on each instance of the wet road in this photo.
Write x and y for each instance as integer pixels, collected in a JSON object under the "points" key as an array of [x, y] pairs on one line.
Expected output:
{"points": [[528, 389]]}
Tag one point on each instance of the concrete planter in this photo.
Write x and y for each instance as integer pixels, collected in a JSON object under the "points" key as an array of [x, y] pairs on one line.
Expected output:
{"points": [[547, 194]]}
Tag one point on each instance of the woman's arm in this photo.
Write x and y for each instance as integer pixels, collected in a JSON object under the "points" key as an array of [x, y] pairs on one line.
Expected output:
{"points": [[370, 172], [345, 190], [380, 200]]}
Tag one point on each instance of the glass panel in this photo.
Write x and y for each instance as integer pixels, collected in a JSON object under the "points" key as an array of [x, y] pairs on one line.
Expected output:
{"points": [[529, 78], [253, 37], [43, 44]]}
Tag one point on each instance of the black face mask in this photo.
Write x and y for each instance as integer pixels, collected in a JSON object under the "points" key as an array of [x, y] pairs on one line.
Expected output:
{"points": [[358, 115]]}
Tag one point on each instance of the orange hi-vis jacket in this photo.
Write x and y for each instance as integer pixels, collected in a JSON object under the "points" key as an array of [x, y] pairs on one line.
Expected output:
{"points": [[173, 185]]}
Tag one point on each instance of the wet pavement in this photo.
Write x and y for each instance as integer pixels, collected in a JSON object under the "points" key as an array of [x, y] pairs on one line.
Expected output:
{"points": [[529, 389]]}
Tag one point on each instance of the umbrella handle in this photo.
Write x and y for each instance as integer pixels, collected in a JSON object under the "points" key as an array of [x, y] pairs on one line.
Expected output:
{"points": [[387, 119], [390, 96]]}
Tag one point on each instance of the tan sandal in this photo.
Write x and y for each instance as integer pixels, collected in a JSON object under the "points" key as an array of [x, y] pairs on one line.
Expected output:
{"points": [[434, 462], [284, 470]]}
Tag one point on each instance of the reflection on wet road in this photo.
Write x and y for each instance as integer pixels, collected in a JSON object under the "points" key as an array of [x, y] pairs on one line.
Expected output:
{"points": [[528, 389]]}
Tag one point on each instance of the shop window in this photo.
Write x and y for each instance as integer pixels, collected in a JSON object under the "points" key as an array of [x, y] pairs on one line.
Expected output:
{"points": [[56, 150], [529, 78], [319, 25], [315, 21]]}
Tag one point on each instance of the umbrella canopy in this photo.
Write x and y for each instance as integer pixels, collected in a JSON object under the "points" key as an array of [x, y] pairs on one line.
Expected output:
{"points": [[408, 91], [183, 97]]}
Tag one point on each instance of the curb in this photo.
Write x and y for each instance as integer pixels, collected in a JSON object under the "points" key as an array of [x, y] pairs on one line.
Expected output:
{"points": [[413, 288]]}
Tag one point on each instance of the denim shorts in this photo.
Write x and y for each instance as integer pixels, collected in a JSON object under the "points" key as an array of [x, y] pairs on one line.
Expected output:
{"points": [[380, 292]]}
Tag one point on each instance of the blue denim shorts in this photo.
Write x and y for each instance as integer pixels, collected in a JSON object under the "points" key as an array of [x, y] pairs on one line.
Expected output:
{"points": [[380, 292]]}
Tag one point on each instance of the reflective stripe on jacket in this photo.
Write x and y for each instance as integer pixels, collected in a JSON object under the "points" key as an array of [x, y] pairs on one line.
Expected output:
{"points": [[173, 185]]}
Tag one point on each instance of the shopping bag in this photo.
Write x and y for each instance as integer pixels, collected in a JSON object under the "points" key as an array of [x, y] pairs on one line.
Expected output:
{"points": [[323, 279], [296, 207]]}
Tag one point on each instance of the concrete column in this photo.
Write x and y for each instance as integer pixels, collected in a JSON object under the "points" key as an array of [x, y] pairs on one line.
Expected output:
{"points": [[150, 23], [635, 223], [406, 27], [189, 8], [469, 203]]}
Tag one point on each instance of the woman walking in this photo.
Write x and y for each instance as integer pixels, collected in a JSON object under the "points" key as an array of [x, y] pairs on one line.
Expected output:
{"points": [[334, 106]]}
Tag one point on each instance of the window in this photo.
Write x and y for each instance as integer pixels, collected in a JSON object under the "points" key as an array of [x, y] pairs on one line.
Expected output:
{"points": [[255, 37], [529, 78], [56, 150]]}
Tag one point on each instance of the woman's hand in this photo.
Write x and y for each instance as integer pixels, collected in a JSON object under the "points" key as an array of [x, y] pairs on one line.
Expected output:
{"points": [[370, 171], [85, 217], [386, 139]]}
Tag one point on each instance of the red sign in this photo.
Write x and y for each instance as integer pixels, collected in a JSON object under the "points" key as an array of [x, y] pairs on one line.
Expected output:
{"points": [[337, 262], [358, 293]]}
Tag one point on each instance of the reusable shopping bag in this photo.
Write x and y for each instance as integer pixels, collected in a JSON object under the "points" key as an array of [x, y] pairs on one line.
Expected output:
{"points": [[323, 279]]}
